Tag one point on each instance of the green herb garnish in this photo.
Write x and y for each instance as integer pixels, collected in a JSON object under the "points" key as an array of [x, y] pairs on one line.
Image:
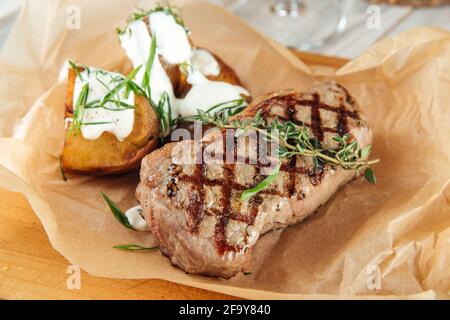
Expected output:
{"points": [[148, 69], [222, 110], [63, 174], [78, 110], [164, 112], [134, 247], [118, 214], [120, 32], [293, 140], [247, 194], [369, 174], [96, 123], [111, 97], [76, 68], [118, 87]]}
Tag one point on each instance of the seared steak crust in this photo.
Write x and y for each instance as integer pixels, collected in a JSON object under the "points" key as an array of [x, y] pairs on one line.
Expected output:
{"points": [[194, 208]]}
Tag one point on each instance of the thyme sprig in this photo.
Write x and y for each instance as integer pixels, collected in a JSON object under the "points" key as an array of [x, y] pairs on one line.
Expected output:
{"points": [[293, 140], [134, 247]]}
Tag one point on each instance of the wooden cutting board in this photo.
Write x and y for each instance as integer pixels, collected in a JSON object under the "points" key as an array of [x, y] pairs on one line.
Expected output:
{"points": [[31, 269]]}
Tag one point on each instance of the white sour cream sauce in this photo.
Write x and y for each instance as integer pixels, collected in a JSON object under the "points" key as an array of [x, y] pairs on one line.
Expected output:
{"points": [[203, 61], [137, 42], [98, 120], [172, 43], [135, 218], [206, 93]]}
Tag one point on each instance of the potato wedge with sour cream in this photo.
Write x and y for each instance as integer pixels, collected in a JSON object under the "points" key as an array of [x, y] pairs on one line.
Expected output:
{"points": [[209, 64], [107, 154]]}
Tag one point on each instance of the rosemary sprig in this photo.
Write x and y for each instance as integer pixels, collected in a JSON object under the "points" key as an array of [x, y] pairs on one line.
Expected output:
{"points": [[78, 110], [61, 169], [134, 247], [118, 214], [293, 140], [164, 112]]}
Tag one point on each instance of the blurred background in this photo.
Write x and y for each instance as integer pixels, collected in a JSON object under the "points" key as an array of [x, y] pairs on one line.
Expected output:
{"points": [[342, 28]]}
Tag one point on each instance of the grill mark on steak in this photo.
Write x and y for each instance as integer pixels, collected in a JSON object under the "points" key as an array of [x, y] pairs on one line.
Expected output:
{"points": [[222, 244], [195, 208], [221, 233], [316, 105], [291, 182], [315, 117], [342, 123], [220, 236], [228, 184]]}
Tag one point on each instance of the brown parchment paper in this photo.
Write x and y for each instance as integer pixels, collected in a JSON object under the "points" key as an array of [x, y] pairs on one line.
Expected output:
{"points": [[391, 240]]}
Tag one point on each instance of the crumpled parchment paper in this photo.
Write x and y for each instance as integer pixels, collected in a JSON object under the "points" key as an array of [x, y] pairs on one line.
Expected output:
{"points": [[391, 240]]}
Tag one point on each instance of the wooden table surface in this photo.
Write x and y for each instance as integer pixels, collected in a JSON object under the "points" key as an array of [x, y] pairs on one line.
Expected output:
{"points": [[31, 269]]}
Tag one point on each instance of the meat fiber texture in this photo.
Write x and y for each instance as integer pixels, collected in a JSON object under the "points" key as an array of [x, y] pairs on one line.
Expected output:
{"points": [[390, 240], [193, 206]]}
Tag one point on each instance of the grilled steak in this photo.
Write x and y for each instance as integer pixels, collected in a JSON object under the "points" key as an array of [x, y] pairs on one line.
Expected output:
{"points": [[195, 209]]}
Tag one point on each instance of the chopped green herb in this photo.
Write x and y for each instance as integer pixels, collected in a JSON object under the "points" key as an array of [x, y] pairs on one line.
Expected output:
{"points": [[78, 110], [63, 174], [118, 214], [134, 247], [164, 112], [148, 68], [369, 174], [247, 194], [120, 32], [95, 123], [122, 84]]}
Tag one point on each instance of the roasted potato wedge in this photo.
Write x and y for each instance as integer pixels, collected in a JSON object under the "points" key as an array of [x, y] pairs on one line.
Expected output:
{"points": [[182, 87], [108, 155], [227, 74], [179, 79]]}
